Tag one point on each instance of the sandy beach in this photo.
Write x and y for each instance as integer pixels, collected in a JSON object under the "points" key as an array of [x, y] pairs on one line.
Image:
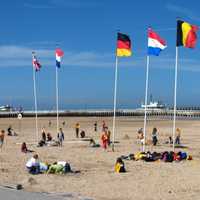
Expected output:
{"points": [[97, 180]]}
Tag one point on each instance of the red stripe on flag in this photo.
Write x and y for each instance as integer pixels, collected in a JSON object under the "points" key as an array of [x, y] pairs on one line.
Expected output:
{"points": [[155, 36]]}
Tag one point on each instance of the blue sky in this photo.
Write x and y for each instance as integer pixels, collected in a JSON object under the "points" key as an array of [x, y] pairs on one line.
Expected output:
{"points": [[86, 31]]}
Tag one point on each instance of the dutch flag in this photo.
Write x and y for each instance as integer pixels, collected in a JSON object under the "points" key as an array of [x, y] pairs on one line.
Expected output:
{"points": [[155, 43], [59, 55]]}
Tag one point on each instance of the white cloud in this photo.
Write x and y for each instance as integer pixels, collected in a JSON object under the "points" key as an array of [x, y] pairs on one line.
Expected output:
{"points": [[16, 56]]}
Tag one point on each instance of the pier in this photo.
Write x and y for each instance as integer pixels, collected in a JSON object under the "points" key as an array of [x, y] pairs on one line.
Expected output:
{"points": [[161, 113]]}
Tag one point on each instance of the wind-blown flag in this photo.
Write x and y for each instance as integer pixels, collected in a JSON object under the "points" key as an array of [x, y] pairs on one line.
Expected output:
{"points": [[186, 34], [36, 63], [59, 55], [123, 45], [155, 43]]}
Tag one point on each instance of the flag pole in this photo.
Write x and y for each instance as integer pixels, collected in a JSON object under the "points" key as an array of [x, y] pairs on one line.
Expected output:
{"points": [[35, 99], [146, 98], [114, 107], [57, 112], [175, 91]]}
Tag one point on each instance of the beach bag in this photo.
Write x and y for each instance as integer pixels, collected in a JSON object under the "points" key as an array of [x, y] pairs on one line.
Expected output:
{"points": [[177, 156], [140, 155], [183, 155], [170, 157], [119, 167], [67, 168], [156, 156]]}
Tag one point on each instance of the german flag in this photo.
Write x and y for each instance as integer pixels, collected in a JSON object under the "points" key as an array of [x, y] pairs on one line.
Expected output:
{"points": [[123, 45], [186, 34]]}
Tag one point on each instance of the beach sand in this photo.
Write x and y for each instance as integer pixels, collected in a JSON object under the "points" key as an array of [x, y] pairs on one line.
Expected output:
{"points": [[97, 180]]}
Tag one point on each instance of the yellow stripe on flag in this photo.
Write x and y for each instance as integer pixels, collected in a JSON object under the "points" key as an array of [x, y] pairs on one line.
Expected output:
{"points": [[123, 52], [185, 30]]}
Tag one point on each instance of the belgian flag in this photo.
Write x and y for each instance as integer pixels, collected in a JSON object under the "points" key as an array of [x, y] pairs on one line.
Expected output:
{"points": [[123, 45], [186, 34]]}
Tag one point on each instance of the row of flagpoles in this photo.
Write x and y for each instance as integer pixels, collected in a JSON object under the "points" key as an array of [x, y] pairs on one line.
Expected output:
{"points": [[185, 36], [36, 67]]}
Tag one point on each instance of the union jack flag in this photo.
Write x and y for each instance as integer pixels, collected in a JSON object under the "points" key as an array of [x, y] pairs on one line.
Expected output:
{"points": [[36, 63]]}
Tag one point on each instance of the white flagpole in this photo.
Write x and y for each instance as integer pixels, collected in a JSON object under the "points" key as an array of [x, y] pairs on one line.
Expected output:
{"points": [[175, 89], [57, 111], [115, 99], [35, 98], [146, 98]]}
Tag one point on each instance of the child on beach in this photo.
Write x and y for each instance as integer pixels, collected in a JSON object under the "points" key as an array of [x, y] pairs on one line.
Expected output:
{"points": [[154, 136], [178, 136], [60, 137], [2, 135], [49, 137]]}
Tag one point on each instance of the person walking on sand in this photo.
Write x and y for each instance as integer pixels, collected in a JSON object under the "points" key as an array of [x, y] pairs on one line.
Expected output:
{"points": [[178, 136], [154, 136], [44, 137], [60, 136], [77, 128], [95, 127], [104, 140], [2, 135], [103, 125], [50, 123]]}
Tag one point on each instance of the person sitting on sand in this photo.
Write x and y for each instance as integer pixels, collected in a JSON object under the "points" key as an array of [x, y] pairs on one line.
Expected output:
{"points": [[82, 134], [154, 136], [55, 169], [44, 167], [33, 165], [60, 136], [66, 165], [24, 148], [9, 130], [119, 166], [104, 140], [140, 136], [93, 143], [49, 137], [178, 136], [2, 135]]}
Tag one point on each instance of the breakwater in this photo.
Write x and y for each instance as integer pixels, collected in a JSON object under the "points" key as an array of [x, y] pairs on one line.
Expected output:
{"points": [[107, 113]]}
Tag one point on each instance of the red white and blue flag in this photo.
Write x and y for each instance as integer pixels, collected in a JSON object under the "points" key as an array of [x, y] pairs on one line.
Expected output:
{"points": [[155, 43], [59, 55], [36, 63]]}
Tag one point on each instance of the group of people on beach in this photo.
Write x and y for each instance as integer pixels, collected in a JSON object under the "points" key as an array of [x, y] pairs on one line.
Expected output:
{"points": [[47, 139], [10, 132], [35, 166], [155, 134]]}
